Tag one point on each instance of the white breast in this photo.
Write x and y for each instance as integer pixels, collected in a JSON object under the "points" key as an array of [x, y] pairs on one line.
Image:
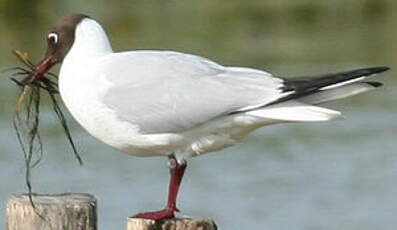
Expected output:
{"points": [[81, 88]]}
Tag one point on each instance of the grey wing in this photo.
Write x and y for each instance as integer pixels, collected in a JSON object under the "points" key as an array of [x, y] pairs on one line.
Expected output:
{"points": [[168, 98]]}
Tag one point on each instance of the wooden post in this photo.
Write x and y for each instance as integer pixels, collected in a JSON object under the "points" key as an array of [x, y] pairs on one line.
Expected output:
{"points": [[69, 211], [171, 224]]}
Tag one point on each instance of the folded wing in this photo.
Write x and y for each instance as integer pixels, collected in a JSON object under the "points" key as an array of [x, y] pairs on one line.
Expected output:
{"points": [[165, 92]]}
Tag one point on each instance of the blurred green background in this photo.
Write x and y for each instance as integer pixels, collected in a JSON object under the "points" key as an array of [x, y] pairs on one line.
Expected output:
{"points": [[309, 176]]}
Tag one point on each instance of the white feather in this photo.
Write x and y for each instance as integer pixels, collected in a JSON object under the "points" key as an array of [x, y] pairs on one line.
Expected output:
{"points": [[295, 111]]}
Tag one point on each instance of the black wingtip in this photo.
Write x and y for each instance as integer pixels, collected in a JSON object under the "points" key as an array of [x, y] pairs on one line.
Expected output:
{"points": [[374, 84], [375, 70]]}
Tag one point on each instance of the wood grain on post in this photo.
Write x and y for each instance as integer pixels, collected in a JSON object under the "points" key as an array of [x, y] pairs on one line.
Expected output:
{"points": [[171, 224], [69, 211]]}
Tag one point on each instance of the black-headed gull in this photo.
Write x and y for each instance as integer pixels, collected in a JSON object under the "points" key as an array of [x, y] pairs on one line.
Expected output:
{"points": [[166, 103]]}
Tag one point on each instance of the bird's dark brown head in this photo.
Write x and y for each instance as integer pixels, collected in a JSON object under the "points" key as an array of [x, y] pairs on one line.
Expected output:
{"points": [[59, 41], [61, 37]]}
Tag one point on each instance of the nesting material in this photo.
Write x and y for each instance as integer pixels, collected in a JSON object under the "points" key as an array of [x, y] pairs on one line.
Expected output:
{"points": [[26, 120]]}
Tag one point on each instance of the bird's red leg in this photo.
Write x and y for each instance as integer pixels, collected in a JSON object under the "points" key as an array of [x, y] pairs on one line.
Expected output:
{"points": [[176, 170]]}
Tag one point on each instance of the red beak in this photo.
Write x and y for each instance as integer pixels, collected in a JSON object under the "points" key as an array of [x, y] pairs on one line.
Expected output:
{"points": [[43, 66]]}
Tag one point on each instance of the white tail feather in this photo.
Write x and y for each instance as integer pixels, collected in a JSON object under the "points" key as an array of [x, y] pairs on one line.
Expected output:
{"points": [[296, 112]]}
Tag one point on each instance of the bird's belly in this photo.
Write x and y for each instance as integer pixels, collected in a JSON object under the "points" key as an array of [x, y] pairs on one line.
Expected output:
{"points": [[220, 133]]}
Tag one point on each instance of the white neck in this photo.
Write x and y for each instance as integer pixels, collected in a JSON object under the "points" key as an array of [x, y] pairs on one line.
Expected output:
{"points": [[90, 40]]}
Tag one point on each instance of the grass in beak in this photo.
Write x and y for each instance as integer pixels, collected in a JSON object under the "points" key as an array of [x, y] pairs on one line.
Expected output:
{"points": [[27, 114]]}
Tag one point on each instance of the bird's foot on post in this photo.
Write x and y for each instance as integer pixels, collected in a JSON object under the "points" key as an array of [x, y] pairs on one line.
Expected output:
{"points": [[157, 215], [176, 170]]}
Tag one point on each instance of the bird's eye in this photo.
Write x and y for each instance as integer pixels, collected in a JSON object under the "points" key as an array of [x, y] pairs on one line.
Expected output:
{"points": [[53, 37]]}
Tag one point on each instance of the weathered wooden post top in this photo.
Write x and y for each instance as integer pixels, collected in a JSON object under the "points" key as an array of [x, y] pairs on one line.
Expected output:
{"points": [[184, 223], [69, 211], [77, 211]]}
